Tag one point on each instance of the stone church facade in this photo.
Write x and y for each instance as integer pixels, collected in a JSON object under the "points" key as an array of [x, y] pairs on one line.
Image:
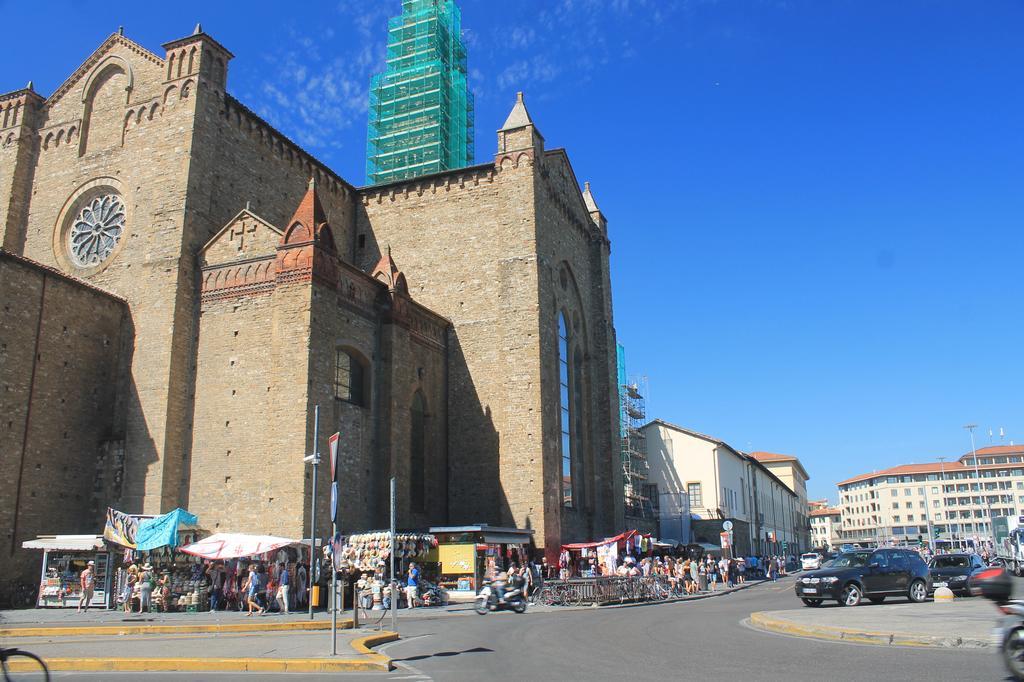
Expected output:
{"points": [[183, 284]]}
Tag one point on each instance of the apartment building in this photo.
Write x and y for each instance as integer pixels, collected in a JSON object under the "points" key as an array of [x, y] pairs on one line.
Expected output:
{"points": [[951, 502], [826, 524]]}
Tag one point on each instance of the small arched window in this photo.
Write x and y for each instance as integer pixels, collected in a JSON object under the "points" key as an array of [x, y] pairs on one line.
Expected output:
{"points": [[418, 453], [350, 378]]}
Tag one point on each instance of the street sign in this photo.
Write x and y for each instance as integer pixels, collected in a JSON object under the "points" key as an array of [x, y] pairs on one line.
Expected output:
{"points": [[725, 539], [727, 525], [334, 502], [332, 443]]}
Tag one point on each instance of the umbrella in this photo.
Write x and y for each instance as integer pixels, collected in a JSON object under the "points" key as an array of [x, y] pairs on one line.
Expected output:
{"points": [[234, 545]]}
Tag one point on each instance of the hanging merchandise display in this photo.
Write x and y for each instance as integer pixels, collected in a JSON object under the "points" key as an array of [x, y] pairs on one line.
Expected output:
{"points": [[120, 528], [371, 551], [162, 531]]}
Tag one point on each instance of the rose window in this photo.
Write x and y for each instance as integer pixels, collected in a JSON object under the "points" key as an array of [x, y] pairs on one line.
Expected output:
{"points": [[96, 230]]}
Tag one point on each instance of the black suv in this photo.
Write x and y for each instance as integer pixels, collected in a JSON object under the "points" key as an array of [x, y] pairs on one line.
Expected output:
{"points": [[875, 574]]}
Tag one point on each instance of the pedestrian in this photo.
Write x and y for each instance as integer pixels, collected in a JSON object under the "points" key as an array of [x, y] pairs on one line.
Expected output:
{"points": [[694, 578], [252, 590], [216, 587], [723, 570], [300, 586], [773, 569], [87, 581], [283, 583], [146, 584], [412, 584], [702, 577], [131, 576]]}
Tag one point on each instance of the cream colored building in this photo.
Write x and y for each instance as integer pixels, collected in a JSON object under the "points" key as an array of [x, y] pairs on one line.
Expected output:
{"points": [[722, 483], [953, 498], [826, 524], [791, 472]]}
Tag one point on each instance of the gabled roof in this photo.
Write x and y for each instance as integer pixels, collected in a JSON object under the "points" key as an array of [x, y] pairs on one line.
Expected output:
{"points": [[771, 457], [721, 443], [826, 511], [97, 54], [244, 212]]}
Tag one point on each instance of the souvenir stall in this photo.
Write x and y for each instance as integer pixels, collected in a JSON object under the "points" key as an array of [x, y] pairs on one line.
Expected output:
{"points": [[64, 559], [225, 558], [370, 552], [593, 559], [181, 583], [468, 554]]}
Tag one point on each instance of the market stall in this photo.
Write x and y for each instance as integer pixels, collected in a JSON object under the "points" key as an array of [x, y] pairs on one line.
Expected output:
{"points": [[593, 559], [64, 559], [153, 541], [467, 554], [228, 556]]}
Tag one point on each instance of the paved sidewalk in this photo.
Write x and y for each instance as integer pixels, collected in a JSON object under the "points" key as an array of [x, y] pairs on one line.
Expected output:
{"points": [[961, 623]]}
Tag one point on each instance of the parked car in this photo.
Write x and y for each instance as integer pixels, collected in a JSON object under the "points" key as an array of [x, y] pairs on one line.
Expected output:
{"points": [[810, 561], [875, 574], [955, 571]]}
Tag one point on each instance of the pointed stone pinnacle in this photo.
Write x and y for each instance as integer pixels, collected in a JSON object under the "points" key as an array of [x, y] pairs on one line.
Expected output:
{"points": [[312, 182], [120, 30], [199, 29], [30, 86]]}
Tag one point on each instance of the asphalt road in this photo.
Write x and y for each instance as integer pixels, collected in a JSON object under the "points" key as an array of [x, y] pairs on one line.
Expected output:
{"points": [[696, 640]]}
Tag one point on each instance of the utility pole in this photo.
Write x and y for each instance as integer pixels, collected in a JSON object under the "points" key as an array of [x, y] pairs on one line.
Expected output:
{"points": [[394, 583], [313, 459], [981, 485]]}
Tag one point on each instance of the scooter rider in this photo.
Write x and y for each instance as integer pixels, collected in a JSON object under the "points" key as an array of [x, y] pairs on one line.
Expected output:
{"points": [[500, 583]]}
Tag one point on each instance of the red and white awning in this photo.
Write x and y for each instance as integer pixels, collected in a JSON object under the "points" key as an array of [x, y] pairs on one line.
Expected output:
{"points": [[235, 545]]}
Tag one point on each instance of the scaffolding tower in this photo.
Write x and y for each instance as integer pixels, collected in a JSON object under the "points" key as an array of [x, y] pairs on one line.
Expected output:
{"points": [[421, 108], [635, 469]]}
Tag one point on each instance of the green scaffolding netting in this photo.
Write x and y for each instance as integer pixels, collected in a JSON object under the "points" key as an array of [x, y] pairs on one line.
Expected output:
{"points": [[421, 108]]}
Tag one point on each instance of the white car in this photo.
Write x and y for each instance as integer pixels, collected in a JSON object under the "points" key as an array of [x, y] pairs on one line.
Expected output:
{"points": [[810, 561]]}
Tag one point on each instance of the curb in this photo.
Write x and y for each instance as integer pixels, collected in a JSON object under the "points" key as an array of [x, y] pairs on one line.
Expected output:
{"points": [[371, 661], [763, 621], [91, 630]]}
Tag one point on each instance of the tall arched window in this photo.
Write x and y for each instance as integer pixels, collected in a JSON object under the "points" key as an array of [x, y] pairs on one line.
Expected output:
{"points": [[576, 411], [565, 412], [350, 378], [417, 453]]}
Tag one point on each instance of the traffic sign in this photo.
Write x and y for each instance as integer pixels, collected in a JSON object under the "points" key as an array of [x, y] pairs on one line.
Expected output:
{"points": [[727, 525], [334, 502], [332, 443]]}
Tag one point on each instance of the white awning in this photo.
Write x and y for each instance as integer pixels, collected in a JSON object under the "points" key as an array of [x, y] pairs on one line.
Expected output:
{"points": [[73, 543]]}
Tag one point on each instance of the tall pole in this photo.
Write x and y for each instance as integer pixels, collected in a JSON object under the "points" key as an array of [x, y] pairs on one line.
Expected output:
{"points": [[942, 491], [334, 590], [981, 484], [312, 514], [394, 583]]}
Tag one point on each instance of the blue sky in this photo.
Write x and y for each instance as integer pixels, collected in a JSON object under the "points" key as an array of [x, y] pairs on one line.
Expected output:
{"points": [[816, 208]]}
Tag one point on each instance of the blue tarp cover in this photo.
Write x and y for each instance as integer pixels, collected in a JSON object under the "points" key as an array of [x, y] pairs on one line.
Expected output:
{"points": [[162, 531]]}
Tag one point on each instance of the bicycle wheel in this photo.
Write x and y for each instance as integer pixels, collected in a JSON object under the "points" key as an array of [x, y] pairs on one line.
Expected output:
{"points": [[546, 596], [23, 666]]}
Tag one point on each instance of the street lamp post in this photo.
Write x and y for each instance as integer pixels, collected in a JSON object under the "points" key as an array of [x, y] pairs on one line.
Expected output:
{"points": [[981, 485], [313, 459]]}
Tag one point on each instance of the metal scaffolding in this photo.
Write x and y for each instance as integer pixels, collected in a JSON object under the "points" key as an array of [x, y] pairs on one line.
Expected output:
{"points": [[421, 108], [632, 416]]}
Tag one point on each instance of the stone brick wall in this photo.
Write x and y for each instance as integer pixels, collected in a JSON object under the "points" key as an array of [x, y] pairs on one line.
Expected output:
{"points": [[466, 242], [60, 353], [573, 260]]}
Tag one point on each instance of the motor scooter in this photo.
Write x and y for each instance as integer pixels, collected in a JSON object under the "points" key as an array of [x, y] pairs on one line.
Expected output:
{"points": [[487, 600], [996, 585]]}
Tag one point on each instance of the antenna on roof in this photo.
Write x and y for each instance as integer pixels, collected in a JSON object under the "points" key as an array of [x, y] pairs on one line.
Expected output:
{"points": [[990, 436], [1002, 434]]}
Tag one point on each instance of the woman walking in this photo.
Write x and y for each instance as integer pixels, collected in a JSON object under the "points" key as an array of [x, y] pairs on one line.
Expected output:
{"points": [[252, 590]]}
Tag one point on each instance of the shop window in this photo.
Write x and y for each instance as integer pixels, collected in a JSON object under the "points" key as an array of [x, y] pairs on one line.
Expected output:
{"points": [[350, 378], [417, 453]]}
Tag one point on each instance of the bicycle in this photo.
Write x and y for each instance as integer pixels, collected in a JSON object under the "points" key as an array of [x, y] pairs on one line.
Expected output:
{"points": [[22, 666], [17, 595]]}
